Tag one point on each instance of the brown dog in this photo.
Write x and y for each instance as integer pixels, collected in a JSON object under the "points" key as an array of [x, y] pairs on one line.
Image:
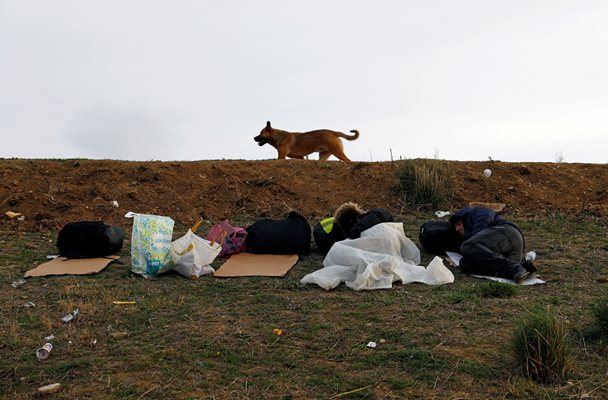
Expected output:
{"points": [[301, 144]]}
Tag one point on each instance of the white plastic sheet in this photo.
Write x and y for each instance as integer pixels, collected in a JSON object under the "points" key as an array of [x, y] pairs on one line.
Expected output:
{"points": [[381, 256]]}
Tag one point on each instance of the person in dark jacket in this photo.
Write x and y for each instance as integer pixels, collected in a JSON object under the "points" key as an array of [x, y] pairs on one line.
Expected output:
{"points": [[492, 246], [348, 222]]}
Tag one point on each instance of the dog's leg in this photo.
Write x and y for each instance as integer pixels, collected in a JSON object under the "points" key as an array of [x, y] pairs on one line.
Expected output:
{"points": [[341, 156], [324, 155]]}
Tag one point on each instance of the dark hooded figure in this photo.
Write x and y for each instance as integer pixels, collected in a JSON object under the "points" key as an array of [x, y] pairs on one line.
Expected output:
{"points": [[492, 246], [348, 222]]}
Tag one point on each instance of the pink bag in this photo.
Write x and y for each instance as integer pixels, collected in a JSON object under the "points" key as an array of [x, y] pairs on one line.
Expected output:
{"points": [[234, 238]]}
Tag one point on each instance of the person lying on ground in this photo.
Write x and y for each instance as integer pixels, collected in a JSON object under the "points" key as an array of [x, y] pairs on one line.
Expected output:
{"points": [[492, 245], [348, 222]]}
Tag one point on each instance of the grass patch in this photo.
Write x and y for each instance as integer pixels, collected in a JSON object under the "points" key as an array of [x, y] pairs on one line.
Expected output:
{"points": [[213, 338], [497, 290], [600, 314], [541, 347], [424, 183]]}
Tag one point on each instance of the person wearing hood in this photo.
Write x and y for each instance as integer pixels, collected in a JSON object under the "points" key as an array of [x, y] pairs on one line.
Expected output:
{"points": [[492, 246], [348, 222]]}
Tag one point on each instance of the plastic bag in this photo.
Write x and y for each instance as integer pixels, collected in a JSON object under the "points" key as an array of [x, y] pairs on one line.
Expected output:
{"points": [[192, 255], [150, 244], [234, 238]]}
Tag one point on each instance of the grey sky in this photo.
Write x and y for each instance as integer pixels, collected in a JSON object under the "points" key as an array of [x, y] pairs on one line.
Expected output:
{"points": [[188, 80]]}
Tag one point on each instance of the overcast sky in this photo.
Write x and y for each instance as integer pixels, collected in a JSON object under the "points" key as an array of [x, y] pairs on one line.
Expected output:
{"points": [[190, 80]]}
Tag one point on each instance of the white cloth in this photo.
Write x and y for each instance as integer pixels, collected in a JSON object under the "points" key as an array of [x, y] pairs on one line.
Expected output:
{"points": [[381, 256]]}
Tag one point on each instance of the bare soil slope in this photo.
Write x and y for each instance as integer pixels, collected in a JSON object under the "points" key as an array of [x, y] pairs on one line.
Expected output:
{"points": [[50, 193]]}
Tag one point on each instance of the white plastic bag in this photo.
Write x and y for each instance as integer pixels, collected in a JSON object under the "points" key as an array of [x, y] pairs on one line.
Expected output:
{"points": [[150, 244], [192, 255]]}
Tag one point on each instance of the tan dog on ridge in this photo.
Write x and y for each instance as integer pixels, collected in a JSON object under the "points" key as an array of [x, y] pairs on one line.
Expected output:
{"points": [[301, 144]]}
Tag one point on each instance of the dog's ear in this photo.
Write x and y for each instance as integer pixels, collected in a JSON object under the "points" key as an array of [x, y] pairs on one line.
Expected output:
{"points": [[268, 127]]}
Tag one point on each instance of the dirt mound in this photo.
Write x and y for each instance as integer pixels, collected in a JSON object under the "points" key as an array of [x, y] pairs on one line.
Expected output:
{"points": [[50, 193]]}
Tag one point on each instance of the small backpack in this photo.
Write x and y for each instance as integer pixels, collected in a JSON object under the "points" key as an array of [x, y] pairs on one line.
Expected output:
{"points": [[437, 237], [89, 239]]}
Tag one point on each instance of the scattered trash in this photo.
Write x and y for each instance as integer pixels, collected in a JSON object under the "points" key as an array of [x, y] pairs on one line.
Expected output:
{"points": [[49, 338], [278, 331], [114, 203], [531, 255], [48, 389], [18, 283], [29, 304], [69, 317], [122, 302], [372, 345], [51, 256], [13, 215], [487, 172], [441, 214], [44, 352], [21, 218], [94, 342], [119, 335], [382, 341]]}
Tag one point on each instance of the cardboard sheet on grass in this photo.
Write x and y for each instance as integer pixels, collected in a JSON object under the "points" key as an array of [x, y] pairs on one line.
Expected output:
{"points": [[249, 264], [530, 280], [72, 266]]}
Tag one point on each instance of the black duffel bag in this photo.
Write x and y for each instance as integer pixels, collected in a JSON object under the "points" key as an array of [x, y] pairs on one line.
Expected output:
{"points": [[291, 235], [437, 237], [89, 239]]}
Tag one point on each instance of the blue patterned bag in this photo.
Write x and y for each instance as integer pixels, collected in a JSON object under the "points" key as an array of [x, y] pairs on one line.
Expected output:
{"points": [[151, 244]]}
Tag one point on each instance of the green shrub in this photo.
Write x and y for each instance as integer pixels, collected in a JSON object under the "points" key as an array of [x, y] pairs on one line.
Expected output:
{"points": [[424, 183], [541, 346]]}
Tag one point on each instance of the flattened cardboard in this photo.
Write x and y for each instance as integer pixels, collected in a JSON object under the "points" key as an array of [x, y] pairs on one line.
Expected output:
{"points": [[72, 266], [249, 264]]}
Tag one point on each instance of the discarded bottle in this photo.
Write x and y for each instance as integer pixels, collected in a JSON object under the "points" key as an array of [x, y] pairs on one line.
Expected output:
{"points": [[531, 256], [44, 352]]}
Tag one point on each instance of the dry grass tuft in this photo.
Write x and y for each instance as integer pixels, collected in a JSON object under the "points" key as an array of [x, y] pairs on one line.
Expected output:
{"points": [[541, 347]]}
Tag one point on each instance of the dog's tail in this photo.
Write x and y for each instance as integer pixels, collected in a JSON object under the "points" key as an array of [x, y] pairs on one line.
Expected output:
{"points": [[348, 137]]}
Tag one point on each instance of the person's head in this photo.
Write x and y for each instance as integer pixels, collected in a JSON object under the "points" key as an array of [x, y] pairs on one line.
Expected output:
{"points": [[458, 223], [347, 215]]}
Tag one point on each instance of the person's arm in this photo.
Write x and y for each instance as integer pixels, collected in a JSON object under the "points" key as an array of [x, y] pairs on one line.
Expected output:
{"points": [[374, 217], [478, 220]]}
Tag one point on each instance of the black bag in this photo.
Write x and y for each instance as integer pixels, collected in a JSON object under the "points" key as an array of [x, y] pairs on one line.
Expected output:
{"points": [[89, 239], [284, 236], [437, 237]]}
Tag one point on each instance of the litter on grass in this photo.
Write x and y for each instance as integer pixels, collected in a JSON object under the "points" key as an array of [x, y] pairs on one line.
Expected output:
{"points": [[69, 317]]}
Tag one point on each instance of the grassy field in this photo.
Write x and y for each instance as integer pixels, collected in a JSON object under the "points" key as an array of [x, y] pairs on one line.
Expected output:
{"points": [[213, 338]]}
